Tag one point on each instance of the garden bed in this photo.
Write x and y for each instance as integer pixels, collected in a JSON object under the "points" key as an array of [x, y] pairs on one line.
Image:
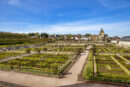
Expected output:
{"points": [[4, 55], [106, 67], [124, 63], [37, 63], [127, 57]]}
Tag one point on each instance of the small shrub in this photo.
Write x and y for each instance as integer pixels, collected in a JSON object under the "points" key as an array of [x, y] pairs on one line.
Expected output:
{"points": [[88, 73], [44, 49], [90, 58], [28, 51], [54, 68], [78, 51], [38, 50]]}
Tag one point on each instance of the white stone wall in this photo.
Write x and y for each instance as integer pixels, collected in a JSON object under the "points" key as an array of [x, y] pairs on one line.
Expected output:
{"points": [[114, 41], [122, 43]]}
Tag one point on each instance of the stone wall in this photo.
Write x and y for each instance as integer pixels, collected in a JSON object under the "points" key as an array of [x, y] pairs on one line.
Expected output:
{"points": [[125, 44]]}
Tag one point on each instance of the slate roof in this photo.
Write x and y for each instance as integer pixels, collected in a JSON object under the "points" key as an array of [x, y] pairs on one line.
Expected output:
{"points": [[126, 38], [101, 31]]}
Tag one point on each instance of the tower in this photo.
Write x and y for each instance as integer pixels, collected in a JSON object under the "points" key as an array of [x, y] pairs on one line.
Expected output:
{"points": [[101, 35]]}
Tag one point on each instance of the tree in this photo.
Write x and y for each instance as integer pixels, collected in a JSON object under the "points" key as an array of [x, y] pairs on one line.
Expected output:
{"points": [[32, 63], [38, 50], [31, 34], [115, 52], [11, 65], [69, 36], [94, 49], [28, 51], [97, 52], [89, 71], [19, 64], [54, 68], [37, 35], [85, 46], [122, 51], [44, 49], [44, 35], [88, 35], [61, 47], [78, 51]]}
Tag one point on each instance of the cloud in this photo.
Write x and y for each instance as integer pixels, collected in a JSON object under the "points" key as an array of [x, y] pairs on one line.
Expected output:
{"points": [[14, 2], [83, 27], [116, 4], [116, 28]]}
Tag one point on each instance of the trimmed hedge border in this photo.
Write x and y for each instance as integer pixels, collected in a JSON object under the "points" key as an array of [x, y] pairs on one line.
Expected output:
{"points": [[8, 84]]}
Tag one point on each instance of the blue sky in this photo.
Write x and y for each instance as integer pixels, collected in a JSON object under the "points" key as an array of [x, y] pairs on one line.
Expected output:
{"points": [[65, 16]]}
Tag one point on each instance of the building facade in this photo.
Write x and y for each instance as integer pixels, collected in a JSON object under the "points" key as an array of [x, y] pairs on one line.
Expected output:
{"points": [[101, 37]]}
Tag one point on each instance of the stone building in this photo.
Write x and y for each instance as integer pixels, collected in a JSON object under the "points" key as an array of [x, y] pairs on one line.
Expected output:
{"points": [[101, 37]]}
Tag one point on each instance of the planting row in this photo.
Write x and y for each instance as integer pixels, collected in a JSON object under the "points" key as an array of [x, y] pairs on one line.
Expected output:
{"points": [[106, 69], [123, 61], [66, 48], [4, 55], [110, 49], [105, 64], [37, 63]]}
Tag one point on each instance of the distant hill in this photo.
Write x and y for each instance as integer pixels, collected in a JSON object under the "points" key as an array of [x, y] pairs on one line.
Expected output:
{"points": [[125, 38], [115, 38], [8, 35]]}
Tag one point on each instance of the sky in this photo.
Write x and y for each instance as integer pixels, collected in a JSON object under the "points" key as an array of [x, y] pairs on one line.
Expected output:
{"points": [[65, 16]]}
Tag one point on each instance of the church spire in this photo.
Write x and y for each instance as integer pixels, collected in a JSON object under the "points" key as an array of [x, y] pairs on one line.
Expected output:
{"points": [[101, 31]]}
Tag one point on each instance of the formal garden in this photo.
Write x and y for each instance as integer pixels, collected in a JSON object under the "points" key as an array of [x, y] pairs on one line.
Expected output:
{"points": [[4, 55], [51, 64], [105, 62], [114, 66], [111, 49], [41, 63], [56, 48], [110, 70]]}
